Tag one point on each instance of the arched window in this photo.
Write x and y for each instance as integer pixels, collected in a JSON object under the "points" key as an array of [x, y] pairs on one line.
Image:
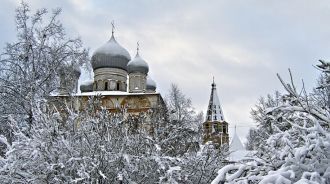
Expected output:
{"points": [[118, 86], [106, 86]]}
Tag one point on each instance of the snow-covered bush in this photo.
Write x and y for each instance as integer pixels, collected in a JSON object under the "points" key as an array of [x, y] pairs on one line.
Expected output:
{"points": [[96, 147], [292, 142]]}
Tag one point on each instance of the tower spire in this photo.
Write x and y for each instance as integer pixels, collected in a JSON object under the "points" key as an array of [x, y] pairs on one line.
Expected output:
{"points": [[214, 111], [215, 128]]}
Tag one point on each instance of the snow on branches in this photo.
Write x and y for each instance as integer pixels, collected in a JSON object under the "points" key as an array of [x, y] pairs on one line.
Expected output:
{"points": [[292, 142]]}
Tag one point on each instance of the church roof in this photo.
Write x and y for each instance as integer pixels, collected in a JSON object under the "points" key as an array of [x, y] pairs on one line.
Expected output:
{"points": [[137, 64], [111, 55], [236, 143], [238, 153], [151, 84], [214, 111]]}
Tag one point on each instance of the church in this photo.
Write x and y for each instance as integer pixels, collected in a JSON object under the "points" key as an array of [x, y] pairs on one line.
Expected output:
{"points": [[120, 82], [123, 82]]}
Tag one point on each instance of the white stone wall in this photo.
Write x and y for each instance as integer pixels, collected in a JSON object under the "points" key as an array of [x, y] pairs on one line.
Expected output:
{"points": [[137, 82]]}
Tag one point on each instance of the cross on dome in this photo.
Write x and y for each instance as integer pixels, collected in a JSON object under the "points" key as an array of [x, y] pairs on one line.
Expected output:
{"points": [[137, 47], [113, 27]]}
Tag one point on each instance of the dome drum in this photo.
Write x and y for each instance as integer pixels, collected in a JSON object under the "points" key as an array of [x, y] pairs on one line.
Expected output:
{"points": [[109, 85]]}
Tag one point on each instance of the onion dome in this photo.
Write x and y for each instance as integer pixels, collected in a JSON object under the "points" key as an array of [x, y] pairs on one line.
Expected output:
{"points": [[86, 86], [110, 55], [151, 84], [138, 65]]}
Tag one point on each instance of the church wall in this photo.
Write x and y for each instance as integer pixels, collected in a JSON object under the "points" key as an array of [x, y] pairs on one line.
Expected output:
{"points": [[110, 79], [135, 105], [137, 82]]}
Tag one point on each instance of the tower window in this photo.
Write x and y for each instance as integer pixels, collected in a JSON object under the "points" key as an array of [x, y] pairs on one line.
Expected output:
{"points": [[216, 127]]}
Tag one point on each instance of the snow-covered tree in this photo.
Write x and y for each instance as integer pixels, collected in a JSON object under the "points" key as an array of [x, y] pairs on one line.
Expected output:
{"points": [[296, 148], [29, 67], [97, 147]]}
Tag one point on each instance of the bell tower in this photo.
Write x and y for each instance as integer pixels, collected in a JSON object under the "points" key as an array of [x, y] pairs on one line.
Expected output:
{"points": [[215, 128]]}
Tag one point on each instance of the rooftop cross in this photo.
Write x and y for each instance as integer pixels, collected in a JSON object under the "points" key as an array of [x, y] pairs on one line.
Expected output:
{"points": [[113, 26]]}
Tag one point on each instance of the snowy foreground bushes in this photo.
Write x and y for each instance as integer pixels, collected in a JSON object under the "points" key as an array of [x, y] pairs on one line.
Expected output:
{"points": [[99, 148], [292, 139]]}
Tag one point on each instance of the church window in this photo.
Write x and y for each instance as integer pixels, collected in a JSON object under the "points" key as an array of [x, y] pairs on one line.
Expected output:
{"points": [[117, 88], [106, 86]]}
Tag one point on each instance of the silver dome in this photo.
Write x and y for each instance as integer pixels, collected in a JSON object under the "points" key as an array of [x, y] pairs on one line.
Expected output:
{"points": [[151, 84], [110, 55], [138, 65], [86, 86]]}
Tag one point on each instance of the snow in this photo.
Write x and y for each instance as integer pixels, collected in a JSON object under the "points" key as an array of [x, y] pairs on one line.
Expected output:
{"points": [[151, 82], [236, 144], [214, 108], [222, 173], [107, 93], [175, 168], [113, 48], [238, 152], [87, 82], [103, 176], [138, 62]]}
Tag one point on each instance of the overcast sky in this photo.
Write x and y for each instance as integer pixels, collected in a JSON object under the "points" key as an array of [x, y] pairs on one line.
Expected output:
{"points": [[243, 44]]}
